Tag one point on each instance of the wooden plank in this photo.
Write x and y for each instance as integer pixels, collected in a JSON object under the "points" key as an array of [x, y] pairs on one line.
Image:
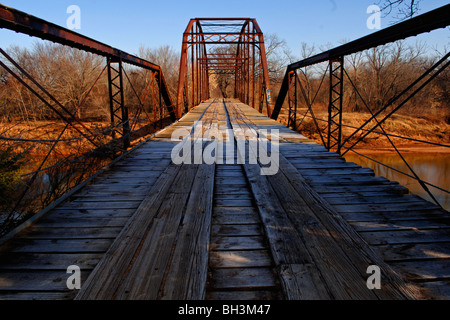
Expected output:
{"points": [[436, 290], [230, 189], [320, 163], [228, 167], [233, 219], [259, 295], [74, 213], [39, 280], [132, 175], [402, 225], [383, 207], [286, 245], [392, 187], [110, 198], [129, 181], [58, 246], [425, 270], [337, 172], [140, 192], [319, 219], [240, 259], [231, 180], [59, 221], [40, 261], [298, 279], [150, 264], [346, 181], [105, 278], [237, 230], [187, 276], [111, 188], [138, 167], [242, 196], [234, 203], [101, 205], [237, 243], [329, 249], [407, 236], [37, 232], [37, 296], [310, 155], [243, 278], [332, 195], [234, 210], [229, 173], [135, 164], [412, 251], [362, 200], [394, 215], [125, 183]]}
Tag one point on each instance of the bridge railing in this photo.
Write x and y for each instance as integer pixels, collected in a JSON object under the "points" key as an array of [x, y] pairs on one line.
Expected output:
{"points": [[327, 75], [68, 109]]}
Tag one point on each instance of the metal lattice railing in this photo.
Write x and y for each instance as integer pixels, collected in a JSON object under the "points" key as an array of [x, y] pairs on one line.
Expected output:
{"points": [[50, 140], [301, 101]]}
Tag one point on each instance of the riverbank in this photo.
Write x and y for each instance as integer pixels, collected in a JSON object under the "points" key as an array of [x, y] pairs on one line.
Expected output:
{"points": [[404, 149], [434, 130]]}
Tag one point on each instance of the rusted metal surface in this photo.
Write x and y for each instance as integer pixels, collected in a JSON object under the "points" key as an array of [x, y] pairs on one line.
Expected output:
{"points": [[24, 23], [332, 138], [129, 121], [224, 46], [436, 19]]}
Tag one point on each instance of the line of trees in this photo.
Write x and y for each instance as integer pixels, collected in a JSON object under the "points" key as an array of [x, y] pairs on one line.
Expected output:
{"points": [[68, 74], [380, 74]]}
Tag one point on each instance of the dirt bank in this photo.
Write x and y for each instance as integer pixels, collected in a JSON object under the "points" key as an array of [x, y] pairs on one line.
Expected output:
{"points": [[431, 130]]}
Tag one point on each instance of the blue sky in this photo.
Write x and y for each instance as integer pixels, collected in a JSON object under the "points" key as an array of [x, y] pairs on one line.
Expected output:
{"points": [[128, 24]]}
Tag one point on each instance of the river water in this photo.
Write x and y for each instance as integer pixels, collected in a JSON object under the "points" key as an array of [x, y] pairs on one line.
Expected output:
{"points": [[432, 168]]}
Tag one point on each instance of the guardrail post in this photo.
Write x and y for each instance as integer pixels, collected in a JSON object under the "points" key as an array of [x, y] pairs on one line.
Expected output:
{"points": [[120, 123], [336, 104], [292, 98]]}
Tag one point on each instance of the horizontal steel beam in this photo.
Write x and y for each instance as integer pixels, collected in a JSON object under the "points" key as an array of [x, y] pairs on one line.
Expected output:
{"points": [[224, 42], [223, 19], [436, 19], [222, 25], [22, 22], [221, 59], [224, 33]]}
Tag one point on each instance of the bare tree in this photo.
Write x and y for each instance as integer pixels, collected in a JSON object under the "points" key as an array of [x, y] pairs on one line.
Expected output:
{"points": [[278, 56], [404, 9], [382, 73], [169, 61]]}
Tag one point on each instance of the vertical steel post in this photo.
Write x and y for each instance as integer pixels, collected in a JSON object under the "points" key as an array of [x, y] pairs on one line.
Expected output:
{"points": [[248, 64], [253, 71], [336, 104], [292, 100], [118, 110]]}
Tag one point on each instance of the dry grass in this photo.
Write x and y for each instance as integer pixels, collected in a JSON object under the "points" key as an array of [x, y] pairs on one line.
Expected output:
{"points": [[419, 128]]}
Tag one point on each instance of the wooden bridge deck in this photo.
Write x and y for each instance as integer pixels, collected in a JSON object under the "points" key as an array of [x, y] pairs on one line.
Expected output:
{"points": [[150, 229]]}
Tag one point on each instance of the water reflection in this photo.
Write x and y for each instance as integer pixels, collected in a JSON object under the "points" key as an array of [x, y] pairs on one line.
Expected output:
{"points": [[432, 168]]}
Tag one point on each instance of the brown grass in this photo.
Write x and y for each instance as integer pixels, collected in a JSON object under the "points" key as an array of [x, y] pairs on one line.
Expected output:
{"points": [[426, 129]]}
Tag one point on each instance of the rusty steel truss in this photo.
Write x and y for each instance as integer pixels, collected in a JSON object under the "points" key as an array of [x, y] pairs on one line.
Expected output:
{"points": [[214, 47], [121, 128], [332, 134], [131, 103]]}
